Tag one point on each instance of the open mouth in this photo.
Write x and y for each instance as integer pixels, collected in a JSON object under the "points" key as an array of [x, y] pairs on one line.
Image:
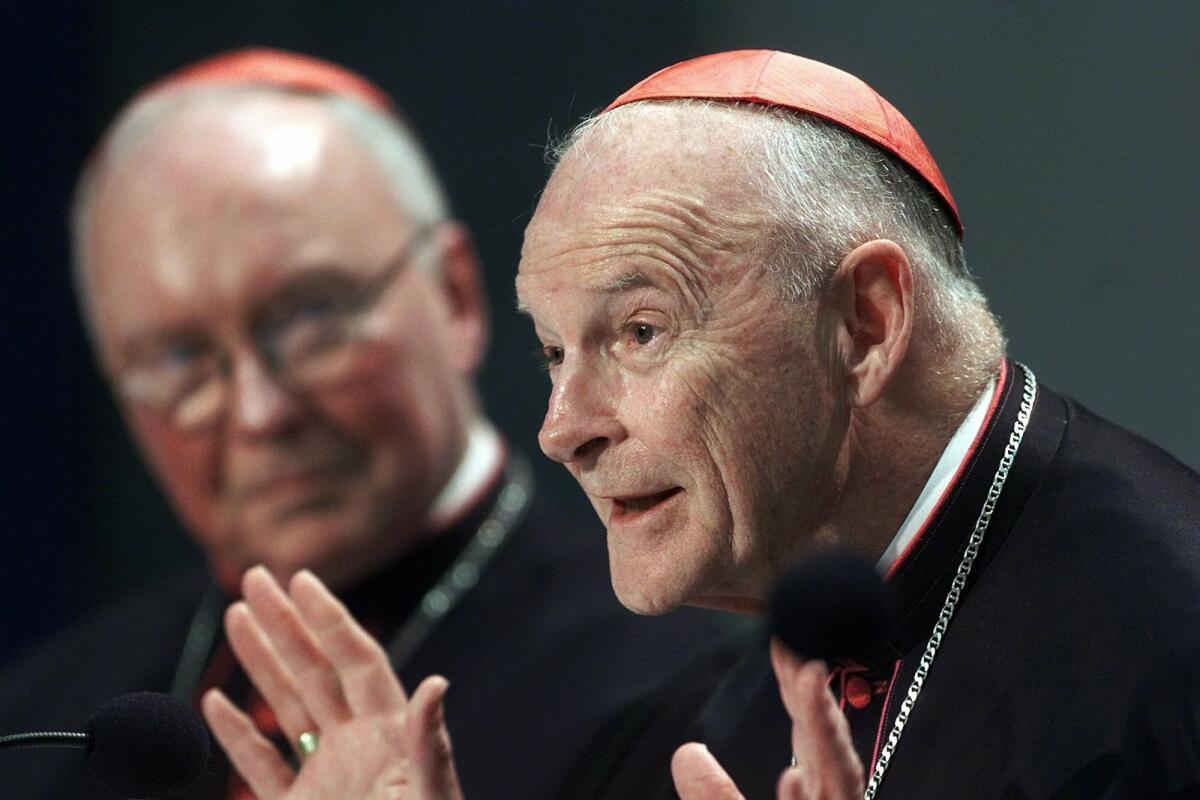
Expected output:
{"points": [[625, 506]]}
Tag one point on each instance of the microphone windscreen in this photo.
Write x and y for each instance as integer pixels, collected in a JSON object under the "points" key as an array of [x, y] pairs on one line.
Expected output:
{"points": [[147, 745], [832, 606]]}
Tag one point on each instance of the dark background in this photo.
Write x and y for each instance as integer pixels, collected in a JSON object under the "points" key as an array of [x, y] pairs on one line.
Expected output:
{"points": [[1068, 133]]}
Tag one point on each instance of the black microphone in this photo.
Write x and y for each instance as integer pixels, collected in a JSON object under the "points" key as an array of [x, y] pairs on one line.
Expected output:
{"points": [[832, 606], [143, 744]]}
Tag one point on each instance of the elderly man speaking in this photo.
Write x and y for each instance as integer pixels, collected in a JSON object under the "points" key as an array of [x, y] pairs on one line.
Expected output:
{"points": [[762, 338]]}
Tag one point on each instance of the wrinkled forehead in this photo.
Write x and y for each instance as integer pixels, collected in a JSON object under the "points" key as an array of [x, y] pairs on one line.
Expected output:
{"points": [[703, 156], [675, 177], [704, 150]]}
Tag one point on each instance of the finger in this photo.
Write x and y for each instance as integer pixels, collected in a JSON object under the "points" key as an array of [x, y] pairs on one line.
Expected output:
{"points": [[791, 786], [366, 676], [698, 776], [255, 758], [428, 742], [298, 651], [833, 767], [828, 764], [266, 672], [787, 666]]}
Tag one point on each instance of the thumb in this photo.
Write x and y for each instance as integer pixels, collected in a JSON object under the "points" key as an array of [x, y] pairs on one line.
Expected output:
{"points": [[428, 742], [698, 776]]}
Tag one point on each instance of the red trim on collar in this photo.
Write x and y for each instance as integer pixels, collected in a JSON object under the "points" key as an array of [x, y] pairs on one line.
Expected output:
{"points": [[883, 715], [1001, 381]]}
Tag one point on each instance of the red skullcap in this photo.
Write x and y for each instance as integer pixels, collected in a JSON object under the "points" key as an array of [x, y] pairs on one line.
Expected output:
{"points": [[267, 67], [787, 81]]}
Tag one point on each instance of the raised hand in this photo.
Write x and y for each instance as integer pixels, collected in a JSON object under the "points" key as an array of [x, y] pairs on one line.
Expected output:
{"points": [[827, 768], [322, 673]]}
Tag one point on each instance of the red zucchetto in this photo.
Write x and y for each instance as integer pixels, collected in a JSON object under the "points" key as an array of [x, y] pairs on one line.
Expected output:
{"points": [[787, 81], [267, 67]]}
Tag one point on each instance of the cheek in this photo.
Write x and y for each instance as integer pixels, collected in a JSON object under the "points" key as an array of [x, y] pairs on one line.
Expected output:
{"points": [[186, 468], [714, 417], [392, 406], [401, 421], [676, 421], [361, 413]]}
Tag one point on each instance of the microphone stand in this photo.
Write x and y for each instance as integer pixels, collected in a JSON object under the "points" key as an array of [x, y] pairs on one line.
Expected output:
{"points": [[46, 739]]}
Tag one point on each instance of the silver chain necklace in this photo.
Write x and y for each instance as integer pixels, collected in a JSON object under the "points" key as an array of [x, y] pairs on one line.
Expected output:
{"points": [[506, 513], [960, 581]]}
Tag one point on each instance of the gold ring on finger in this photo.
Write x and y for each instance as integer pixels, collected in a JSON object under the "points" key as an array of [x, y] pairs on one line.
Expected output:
{"points": [[306, 744]]}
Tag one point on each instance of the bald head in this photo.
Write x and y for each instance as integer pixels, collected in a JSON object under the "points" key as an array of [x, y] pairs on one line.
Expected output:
{"points": [[270, 132], [687, 177]]}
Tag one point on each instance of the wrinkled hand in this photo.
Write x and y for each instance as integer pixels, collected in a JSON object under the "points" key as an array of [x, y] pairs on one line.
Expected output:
{"points": [[319, 671], [827, 768]]}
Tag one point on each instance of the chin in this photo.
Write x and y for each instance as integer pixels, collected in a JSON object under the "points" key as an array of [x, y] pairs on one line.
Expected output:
{"points": [[645, 592], [287, 546], [658, 573], [646, 604]]}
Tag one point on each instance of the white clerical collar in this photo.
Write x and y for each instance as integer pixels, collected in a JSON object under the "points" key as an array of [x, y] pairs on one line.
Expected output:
{"points": [[956, 453], [475, 472]]}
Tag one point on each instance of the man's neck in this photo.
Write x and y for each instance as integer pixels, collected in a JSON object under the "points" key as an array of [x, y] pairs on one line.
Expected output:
{"points": [[892, 450], [943, 476]]}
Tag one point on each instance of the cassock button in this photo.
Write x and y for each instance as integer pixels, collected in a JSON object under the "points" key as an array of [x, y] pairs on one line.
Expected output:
{"points": [[858, 692]]}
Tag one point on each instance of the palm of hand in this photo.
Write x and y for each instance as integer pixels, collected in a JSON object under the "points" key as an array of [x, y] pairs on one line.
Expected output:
{"points": [[364, 758], [320, 672]]}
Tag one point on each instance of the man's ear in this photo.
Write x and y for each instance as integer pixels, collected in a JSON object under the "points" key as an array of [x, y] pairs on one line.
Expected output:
{"points": [[461, 283], [872, 309]]}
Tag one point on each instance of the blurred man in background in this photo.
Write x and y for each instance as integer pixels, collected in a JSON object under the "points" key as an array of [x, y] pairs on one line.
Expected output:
{"points": [[291, 322]]}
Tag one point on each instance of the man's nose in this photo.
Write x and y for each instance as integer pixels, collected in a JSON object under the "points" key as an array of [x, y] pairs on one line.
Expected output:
{"points": [[581, 417], [259, 404]]}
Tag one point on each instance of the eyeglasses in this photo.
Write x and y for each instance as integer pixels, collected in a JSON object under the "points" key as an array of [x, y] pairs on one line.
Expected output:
{"points": [[308, 336]]}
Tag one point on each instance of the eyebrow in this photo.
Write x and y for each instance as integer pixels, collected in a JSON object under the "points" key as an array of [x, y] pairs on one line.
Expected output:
{"points": [[145, 343], [322, 277], [625, 282], [316, 279], [638, 279], [633, 279]]}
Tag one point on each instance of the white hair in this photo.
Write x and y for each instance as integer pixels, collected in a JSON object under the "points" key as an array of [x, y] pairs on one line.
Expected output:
{"points": [[825, 191], [386, 138]]}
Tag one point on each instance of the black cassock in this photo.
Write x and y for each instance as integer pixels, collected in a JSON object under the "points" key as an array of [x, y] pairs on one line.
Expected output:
{"points": [[539, 654], [1071, 668]]}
